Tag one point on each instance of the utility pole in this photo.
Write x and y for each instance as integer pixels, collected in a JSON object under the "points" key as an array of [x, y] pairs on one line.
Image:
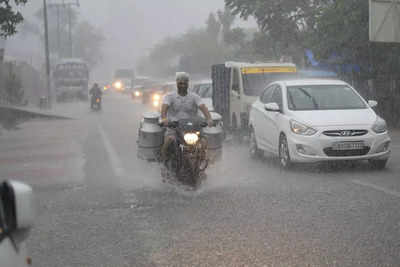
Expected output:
{"points": [[47, 53]]}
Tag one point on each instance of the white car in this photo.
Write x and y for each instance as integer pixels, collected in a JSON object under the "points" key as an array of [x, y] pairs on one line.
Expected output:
{"points": [[16, 219], [204, 90], [317, 120]]}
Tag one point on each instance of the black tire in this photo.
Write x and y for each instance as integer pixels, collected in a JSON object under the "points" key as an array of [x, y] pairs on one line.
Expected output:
{"points": [[378, 164], [284, 153], [254, 151]]}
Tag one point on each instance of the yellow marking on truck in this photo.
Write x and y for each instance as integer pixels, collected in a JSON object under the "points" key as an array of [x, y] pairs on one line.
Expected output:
{"points": [[254, 70]]}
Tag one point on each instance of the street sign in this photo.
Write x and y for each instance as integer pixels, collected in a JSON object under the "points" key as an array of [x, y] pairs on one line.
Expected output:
{"points": [[384, 21]]}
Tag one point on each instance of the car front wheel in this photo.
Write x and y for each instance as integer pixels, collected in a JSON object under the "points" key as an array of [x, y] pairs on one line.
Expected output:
{"points": [[254, 151], [284, 155]]}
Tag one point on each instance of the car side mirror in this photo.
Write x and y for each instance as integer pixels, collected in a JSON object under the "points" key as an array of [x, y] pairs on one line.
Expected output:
{"points": [[273, 107], [372, 103], [18, 205]]}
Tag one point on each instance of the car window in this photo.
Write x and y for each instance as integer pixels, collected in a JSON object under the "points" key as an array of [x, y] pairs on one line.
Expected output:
{"points": [[196, 88], [277, 96], [267, 95], [205, 90], [323, 97]]}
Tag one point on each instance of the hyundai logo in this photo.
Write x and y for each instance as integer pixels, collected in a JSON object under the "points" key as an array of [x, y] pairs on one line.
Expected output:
{"points": [[346, 133]]}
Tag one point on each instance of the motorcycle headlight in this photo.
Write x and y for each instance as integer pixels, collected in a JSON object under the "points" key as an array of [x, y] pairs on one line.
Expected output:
{"points": [[156, 97], [379, 126], [156, 103], [301, 129], [191, 138]]}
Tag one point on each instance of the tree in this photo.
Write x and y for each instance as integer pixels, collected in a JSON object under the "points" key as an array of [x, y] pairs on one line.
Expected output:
{"points": [[88, 42], [9, 18], [60, 18], [342, 30], [213, 26], [226, 20], [285, 22]]}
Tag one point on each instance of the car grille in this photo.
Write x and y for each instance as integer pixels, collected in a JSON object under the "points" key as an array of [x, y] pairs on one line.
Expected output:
{"points": [[346, 153], [345, 133]]}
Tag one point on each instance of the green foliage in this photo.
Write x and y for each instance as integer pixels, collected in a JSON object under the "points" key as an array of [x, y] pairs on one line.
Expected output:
{"points": [[9, 18], [197, 49], [342, 29]]}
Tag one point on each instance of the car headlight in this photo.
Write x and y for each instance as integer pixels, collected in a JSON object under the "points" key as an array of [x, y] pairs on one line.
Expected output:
{"points": [[118, 85], [137, 93], [191, 138], [300, 128], [379, 126]]}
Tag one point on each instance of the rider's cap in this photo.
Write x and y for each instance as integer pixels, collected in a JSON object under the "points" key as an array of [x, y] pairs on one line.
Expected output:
{"points": [[182, 76]]}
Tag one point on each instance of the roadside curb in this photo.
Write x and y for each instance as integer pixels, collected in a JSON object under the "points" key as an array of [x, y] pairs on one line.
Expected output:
{"points": [[26, 112]]}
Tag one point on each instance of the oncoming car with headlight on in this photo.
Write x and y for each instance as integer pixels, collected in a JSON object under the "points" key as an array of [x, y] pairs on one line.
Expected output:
{"points": [[317, 120]]}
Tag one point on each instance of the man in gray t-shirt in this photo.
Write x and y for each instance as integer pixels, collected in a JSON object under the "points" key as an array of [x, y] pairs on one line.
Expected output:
{"points": [[181, 105]]}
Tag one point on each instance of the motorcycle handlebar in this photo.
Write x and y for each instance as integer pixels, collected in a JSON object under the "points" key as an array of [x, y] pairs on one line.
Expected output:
{"points": [[175, 124]]}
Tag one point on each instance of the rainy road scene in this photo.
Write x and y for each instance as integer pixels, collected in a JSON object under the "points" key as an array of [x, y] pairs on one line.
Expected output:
{"points": [[199, 133]]}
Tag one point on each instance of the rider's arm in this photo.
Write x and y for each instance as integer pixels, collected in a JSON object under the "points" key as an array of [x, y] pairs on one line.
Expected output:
{"points": [[164, 108], [205, 111], [164, 111]]}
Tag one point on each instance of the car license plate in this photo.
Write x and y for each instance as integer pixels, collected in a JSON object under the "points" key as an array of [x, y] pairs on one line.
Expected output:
{"points": [[348, 146]]}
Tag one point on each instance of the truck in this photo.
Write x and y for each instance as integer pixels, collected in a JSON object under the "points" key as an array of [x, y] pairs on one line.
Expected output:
{"points": [[123, 80], [236, 86], [71, 79]]}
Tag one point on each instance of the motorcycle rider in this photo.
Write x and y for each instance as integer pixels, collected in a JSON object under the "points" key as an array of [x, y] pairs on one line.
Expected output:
{"points": [[180, 105], [95, 92]]}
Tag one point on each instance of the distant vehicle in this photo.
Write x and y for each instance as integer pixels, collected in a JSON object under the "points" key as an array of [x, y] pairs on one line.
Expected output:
{"points": [[317, 120], [237, 85], [157, 94], [16, 219], [151, 88], [71, 79], [123, 80], [205, 91]]}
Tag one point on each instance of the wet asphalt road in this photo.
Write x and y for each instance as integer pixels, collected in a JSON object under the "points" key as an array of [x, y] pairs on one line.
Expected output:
{"points": [[98, 205]]}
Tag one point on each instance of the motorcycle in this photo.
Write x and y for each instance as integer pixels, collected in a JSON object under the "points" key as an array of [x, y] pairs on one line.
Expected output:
{"points": [[96, 103], [187, 155]]}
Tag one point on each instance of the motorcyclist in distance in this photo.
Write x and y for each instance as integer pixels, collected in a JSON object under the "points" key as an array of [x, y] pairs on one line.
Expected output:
{"points": [[95, 92]]}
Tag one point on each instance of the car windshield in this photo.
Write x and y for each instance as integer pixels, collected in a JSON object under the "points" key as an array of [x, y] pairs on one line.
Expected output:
{"points": [[323, 97], [254, 83], [205, 90]]}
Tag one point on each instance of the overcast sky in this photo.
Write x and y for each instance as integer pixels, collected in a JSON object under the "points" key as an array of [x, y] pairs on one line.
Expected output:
{"points": [[132, 27]]}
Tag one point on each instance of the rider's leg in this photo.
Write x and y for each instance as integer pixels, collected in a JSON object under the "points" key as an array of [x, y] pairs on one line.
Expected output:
{"points": [[168, 140]]}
